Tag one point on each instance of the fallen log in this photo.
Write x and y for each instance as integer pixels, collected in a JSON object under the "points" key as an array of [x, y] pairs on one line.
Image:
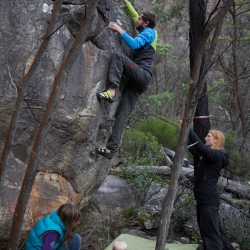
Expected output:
{"points": [[239, 189], [163, 170]]}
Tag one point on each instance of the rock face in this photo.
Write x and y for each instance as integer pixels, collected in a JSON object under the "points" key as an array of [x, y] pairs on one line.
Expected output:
{"points": [[68, 169], [113, 192]]}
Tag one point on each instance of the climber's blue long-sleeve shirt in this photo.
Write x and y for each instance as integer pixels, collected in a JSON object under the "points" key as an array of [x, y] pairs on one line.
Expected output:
{"points": [[144, 39], [143, 45]]}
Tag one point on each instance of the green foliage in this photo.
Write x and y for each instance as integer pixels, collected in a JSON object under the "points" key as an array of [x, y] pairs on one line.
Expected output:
{"points": [[85, 218], [143, 150], [176, 8], [142, 147], [160, 103], [185, 208], [238, 162], [246, 35], [216, 84], [163, 50], [159, 8], [160, 99], [140, 181], [99, 229], [178, 11], [185, 88], [224, 38], [196, 238], [237, 227], [130, 211], [171, 234], [213, 96], [246, 239], [165, 133], [143, 217]]}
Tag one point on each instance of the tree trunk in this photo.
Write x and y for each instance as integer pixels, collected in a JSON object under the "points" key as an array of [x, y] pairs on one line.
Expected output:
{"points": [[44, 125], [197, 13], [236, 90]]}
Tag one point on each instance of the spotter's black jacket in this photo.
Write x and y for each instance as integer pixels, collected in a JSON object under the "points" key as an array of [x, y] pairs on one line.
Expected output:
{"points": [[208, 170]]}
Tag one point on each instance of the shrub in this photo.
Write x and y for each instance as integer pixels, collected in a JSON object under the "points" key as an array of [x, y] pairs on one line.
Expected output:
{"points": [[184, 208], [99, 227], [142, 182], [165, 133], [159, 100], [142, 148], [236, 224], [143, 152], [238, 162]]}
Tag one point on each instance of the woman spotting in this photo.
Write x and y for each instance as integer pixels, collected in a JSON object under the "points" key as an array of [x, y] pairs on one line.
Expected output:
{"points": [[212, 158]]}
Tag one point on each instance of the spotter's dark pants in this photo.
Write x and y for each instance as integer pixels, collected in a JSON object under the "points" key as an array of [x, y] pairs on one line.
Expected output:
{"points": [[138, 81], [208, 222]]}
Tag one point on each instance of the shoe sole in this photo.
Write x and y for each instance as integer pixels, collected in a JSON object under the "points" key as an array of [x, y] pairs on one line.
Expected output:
{"points": [[104, 98], [102, 154]]}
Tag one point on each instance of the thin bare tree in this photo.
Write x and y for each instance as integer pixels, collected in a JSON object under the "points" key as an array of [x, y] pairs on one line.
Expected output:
{"points": [[235, 73]]}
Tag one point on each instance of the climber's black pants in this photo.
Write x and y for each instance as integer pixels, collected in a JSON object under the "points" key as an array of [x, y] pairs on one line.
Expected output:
{"points": [[208, 222], [138, 81]]}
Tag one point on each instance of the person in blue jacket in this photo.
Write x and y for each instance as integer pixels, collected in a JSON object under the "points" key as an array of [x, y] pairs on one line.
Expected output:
{"points": [[212, 158], [54, 231], [137, 70]]}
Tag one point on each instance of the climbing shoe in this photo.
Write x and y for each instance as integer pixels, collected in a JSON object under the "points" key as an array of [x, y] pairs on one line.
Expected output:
{"points": [[103, 152], [106, 95]]}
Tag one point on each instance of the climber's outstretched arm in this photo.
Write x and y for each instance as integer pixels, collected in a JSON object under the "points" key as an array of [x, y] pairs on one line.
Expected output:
{"points": [[116, 27]]}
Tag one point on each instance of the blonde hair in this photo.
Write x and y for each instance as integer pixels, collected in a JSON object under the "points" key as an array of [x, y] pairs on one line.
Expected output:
{"points": [[219, 136], [120, 245], [69, 215]]}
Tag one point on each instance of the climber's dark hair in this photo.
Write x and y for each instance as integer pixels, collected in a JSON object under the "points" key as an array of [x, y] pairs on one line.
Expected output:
{"points": [[150, 18]]}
